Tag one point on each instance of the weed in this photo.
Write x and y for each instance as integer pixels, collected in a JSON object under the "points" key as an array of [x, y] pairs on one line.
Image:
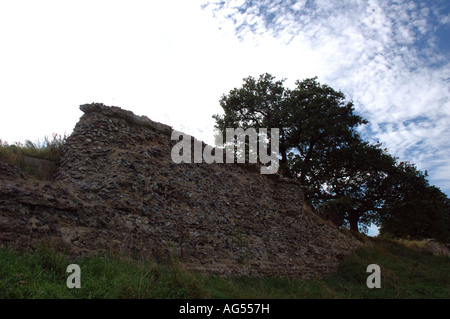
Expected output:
{"points": [[39, 159]]}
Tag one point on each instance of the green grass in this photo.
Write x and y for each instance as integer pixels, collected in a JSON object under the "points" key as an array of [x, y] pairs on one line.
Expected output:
{"points": [[405, 273]]}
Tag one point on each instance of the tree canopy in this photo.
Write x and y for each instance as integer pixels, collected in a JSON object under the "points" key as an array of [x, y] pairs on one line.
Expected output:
{"points": [[413, 208], [346, 178]]}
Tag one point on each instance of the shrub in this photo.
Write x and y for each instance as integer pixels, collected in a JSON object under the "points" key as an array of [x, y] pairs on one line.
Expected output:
{"points": [[38, 159]]}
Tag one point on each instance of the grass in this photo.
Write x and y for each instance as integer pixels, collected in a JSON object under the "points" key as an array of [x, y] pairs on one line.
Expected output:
{"points": [[49, 150], [405, 273]]}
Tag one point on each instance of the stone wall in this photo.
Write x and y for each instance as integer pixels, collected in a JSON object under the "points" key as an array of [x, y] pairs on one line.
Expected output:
{"points": [[118, 189], [43, 168]]}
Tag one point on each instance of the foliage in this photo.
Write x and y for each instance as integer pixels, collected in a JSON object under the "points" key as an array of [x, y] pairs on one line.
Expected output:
{"points": [[354, 189], [313, 120], [317, 129], [49, 149], [413, 208], [319, 123], [257, 104], [347, 179]]}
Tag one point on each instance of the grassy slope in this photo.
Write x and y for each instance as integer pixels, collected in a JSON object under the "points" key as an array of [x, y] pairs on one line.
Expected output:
{"points": [[405, 273]]}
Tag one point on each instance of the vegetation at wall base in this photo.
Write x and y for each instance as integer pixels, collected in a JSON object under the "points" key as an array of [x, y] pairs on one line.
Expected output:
{"points": [[407, 271], [19, 155]]}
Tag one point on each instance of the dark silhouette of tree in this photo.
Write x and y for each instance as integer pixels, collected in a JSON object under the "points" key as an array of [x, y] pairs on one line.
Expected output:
{"points": [[413, 208], [347, 179]]}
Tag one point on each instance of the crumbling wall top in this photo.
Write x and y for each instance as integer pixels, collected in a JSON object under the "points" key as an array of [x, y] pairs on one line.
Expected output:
{"points": [[130, 117]]}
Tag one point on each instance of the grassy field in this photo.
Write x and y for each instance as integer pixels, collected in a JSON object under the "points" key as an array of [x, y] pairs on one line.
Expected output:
{"points": [[405, 273]]}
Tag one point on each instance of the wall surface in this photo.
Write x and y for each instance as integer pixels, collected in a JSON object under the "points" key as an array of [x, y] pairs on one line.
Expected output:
{"points": [[117, 189]]}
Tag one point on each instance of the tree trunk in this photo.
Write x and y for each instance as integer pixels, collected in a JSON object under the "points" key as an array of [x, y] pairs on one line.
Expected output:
{"points": [[353, 220], [285, 170]]}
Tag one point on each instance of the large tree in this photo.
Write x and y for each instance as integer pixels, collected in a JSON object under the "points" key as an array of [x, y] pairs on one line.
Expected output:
{"points": [[319, 122], [354, 191], [352, 181], [313, 119], [412, 207], [259, 103]]}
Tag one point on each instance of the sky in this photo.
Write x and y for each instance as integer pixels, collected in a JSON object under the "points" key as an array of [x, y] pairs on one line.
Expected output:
{"points": [[173, 60]]}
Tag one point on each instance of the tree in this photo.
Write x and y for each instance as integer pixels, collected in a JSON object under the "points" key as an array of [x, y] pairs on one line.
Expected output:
{"points": [[414, 208], [354, 191], [313, 119], [257, 104], [348, 179], [319, 123]]}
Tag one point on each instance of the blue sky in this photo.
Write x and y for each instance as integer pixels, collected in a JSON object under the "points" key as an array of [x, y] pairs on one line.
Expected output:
{"points": [[172, 61]]}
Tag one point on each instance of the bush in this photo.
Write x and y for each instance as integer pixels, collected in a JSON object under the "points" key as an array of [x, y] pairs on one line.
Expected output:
{"points": [[38, 160]]}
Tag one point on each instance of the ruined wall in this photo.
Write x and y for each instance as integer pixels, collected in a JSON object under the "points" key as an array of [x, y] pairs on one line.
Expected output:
{"points": [[117, 188]]}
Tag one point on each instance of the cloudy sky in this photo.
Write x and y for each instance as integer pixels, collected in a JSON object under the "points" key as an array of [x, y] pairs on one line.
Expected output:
{"points": [[173, 60]]}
